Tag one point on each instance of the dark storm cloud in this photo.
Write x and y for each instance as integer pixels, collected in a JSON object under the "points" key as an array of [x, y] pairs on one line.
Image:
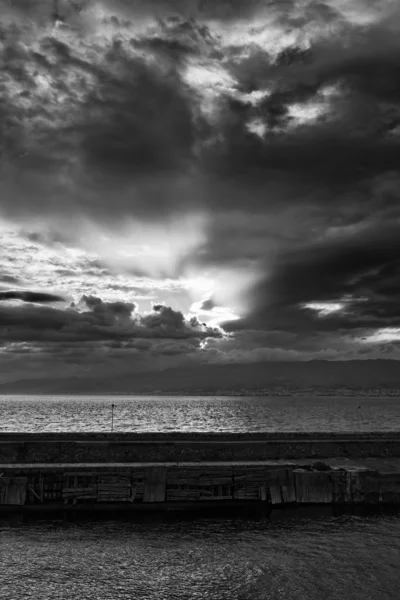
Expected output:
{"points": [[109, 312], [336, 153], [338, 266], [66, 10], [36, 297], [361, 271], [130, 120], [352, 139], [223, 10], [93, 319], [126, 132], [178, 39], [124, 119]]}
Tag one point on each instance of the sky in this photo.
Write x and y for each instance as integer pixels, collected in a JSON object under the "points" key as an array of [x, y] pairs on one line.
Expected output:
{"points": [[197, 181]]}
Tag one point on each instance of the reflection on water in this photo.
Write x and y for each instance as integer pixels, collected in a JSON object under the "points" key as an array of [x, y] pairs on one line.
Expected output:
{"points": [[297, 556], [174, 413]]}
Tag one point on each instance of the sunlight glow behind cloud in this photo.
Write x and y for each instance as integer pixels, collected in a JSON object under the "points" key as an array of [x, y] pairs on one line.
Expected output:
{"points": [[384, 335], [325, 308], [154, 249]]}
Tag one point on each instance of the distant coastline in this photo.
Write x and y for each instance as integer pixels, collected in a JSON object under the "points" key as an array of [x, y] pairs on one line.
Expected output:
{"points": [[291, 393], [314, 378]]}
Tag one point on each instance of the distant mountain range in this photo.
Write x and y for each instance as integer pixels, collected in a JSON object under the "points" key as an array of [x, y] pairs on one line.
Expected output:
{"points": [[266, 377]]}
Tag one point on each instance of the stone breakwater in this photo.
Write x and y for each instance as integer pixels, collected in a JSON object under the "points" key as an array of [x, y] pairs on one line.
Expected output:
{"points": [[193, 447]]}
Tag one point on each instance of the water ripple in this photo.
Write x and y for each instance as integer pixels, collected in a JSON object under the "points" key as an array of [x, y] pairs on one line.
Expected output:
{"points": [[172, 413], [235, 559]]}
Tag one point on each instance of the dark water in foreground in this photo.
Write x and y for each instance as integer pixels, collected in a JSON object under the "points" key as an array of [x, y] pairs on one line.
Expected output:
{"points": [[186, 413], [291, 558]]}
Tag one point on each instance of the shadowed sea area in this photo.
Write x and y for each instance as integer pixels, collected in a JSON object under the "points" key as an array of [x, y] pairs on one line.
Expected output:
{"points": [[298, 557]]}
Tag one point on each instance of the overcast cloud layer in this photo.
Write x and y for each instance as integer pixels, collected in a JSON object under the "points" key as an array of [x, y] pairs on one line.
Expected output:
{"points": [[187, 181]]}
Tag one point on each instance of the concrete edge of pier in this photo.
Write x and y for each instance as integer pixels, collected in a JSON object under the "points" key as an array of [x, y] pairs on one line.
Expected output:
{"points": [[74, 447], [196, 436]]}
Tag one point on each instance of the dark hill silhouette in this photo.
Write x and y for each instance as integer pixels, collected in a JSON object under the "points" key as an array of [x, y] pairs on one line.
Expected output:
{"points": [[318, 375]]}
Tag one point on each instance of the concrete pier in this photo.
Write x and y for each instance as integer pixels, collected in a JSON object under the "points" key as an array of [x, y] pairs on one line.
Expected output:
{"points": [[43, 472], [173, 447]]}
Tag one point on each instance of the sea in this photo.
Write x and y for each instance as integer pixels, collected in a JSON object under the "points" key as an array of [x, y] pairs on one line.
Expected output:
{"points": [[196, 413], [291, 554]]}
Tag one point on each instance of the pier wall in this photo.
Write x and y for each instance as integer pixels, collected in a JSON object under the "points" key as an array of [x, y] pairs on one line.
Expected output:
{"points": [[91, 448], [137, 486], [133, 471]]}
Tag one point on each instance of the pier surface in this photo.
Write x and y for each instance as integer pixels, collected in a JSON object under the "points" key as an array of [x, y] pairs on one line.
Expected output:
{"points": [[178, 446]]}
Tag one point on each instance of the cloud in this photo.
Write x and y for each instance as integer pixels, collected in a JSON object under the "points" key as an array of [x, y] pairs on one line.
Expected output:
{"points": [[4, 278], [208, 304], [111, 312], [134, 129], [98, 338], [214, 159], [358, 272], [84, 124], [92, 319], [37, 297]]}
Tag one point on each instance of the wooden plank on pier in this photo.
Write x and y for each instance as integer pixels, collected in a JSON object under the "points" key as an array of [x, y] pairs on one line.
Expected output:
{"points": [[389, 488], [79, 493], [115, 487], [200, 481], [155, 484], [340, 486], [247, 484], [356, 482], [13, 490], [313, 487], [52, 486], [79, 486], [280, 485]]}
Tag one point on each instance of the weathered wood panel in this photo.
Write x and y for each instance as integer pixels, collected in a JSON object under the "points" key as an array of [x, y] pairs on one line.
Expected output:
{"points": [[199, 480], [340, 486], [196, 483], [114, 487], [389, 488], [34, 489], [247, 492], [199, 492], [155, 484], [264, 483], [263, 492], [313, 487], [356, 487], [288, 489], [13, 490], [182, 495], [114, 493], [53, 484], [249, 484], [79, 486], [88, 493], [280, 484]]}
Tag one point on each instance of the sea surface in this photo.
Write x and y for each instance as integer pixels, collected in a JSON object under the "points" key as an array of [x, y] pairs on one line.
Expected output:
{"points": [[278, 558], [191, 413]]}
